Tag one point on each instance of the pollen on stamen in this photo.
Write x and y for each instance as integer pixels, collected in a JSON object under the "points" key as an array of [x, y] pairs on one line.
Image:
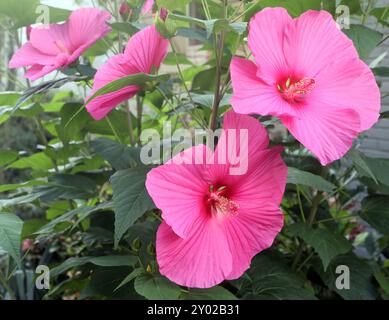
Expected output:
{"points": [[220, 205], [294, 91]]}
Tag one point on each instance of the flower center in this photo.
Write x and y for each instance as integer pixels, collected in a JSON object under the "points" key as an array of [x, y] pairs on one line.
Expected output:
{"points": [[293, 91], [219, 203]]}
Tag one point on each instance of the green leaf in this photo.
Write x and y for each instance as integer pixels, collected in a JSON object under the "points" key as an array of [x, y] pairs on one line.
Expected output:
{"points": [[295, 7], [135, 273], [173, 4], [103, 261], [10, 187], [375, 210], [362, 163], [23, 12], [127, 27], [374, 168], [9, 98], [67, 186], [10, 235], [156, 288], [130, 198], [139, 80], [211, 26], [296, 176], [103, 283], [382, 15], [214, 293], [365, 39], [68, 218], [381, 71], [118, 155], [326, 243], [7, 156], [37, 161], [361, 287], [272, 279]]}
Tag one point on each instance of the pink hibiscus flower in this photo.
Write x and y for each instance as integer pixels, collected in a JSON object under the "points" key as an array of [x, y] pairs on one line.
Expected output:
{"points": [[59, 45], [215, 222], [148, 6], [144, 53], [308, 73]]}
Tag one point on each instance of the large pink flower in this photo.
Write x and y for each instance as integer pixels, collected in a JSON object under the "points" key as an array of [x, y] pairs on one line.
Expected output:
{"points": [[216, 221], [308, 73], [144, 52], [59, 45]]}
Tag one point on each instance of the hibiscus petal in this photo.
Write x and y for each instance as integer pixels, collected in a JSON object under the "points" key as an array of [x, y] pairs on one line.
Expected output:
{"points": [[313, 41], [179, 191], [265, 180], [265, 40], [326, 131], [115, 68], [253, 95], [52, 40], [101, 106], [349, 83], [241, 139], [250, 232], [86, 26], [202, 260], [38, 71], [146, 49], [27, 55], [148, 6]]}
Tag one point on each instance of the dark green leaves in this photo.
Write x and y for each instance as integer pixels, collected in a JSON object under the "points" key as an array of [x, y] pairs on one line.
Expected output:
{"points": [[7, 156], [156, 288], [139, 80], [374, 168], [26, 12], [296, 176], [214, 293], [375, 210], [10, 235], [103, 261], [361, 287], [118, 155], [326, 243], [272, 279], [130, 198], [364, 39]]}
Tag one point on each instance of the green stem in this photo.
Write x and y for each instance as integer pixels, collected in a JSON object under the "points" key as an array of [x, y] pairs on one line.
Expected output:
{"points": [[6, 286], [311, 218], [139, 112], [130, 127], [219, 45], [206, 9], [244, 12], [366, 12], [114, 130], [300, 204]]}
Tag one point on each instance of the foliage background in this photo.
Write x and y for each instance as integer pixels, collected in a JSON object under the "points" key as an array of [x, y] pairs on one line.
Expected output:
{"points": [[64, 176]]}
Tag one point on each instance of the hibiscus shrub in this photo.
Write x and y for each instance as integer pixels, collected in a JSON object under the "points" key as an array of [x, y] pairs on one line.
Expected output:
{"points": [[307, 217]]}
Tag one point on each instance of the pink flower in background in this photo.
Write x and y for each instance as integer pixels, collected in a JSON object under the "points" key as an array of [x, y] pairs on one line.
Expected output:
{"points": [[307, 73], [148, 6], [125, 9], [144, 52], [27, 244], [215, 222], [59, 45]]}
